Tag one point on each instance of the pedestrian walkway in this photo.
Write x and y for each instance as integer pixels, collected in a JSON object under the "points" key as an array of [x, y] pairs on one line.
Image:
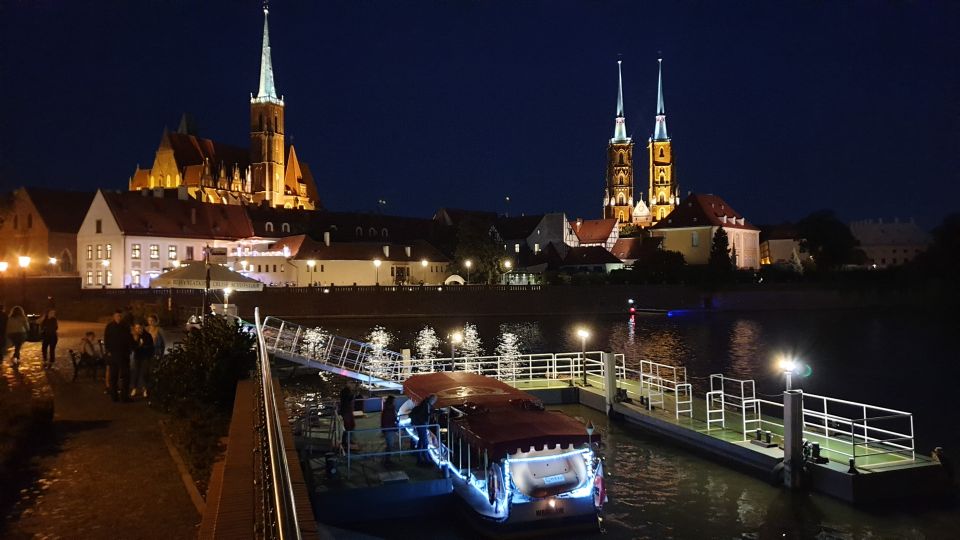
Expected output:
{"points": [[107, 472]]}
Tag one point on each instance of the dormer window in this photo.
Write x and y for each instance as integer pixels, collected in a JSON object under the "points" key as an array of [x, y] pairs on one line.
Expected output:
{"points": [[359, 232], [384, 232], [268, 227], [285, 227], [373, 232]]}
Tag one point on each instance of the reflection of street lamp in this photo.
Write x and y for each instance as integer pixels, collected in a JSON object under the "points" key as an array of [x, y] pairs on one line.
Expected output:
{"points": [[583, 333], [24, 263], [310, 264], [377, 263], [789, 367], [455, 339], [468, 263]]}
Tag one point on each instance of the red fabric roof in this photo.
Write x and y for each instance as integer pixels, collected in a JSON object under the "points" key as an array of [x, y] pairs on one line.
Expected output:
{"points": [[500, 418]]}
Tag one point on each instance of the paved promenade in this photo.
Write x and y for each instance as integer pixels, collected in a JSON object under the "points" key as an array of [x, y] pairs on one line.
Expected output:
{"points": [[107, 472]]}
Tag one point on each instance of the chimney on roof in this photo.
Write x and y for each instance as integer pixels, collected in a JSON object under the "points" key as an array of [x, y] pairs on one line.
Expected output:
{"points": [[386, 251], [182, 193], [406, 250], [579, 223], [158, 192], [326, 238], [193, 216]]}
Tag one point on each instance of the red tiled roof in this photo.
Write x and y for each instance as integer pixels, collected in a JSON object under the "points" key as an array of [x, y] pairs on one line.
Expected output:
{"points": [[704, 210], [146, 215], [628, 248], [61, 211], [593, 231], [191, 150], [589, 255]]}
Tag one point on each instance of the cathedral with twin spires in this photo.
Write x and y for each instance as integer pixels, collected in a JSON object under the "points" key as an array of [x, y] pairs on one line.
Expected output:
{"points": [[268, 172], [620, 201]]}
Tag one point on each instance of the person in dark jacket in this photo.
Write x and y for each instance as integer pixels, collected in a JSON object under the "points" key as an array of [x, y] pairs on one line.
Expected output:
{"points": [[17, 327], [118, 341], [142, 356], [420, 417], [48, 332], [3, 332], [388, 423], [347, 397]]}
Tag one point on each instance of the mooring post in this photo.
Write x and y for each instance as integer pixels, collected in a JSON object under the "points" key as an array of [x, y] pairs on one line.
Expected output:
{"points": [[792, 438], [609, 378]]}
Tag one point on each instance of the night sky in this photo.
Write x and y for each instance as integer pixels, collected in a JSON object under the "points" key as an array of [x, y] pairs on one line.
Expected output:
{"points": [[853, 106]]}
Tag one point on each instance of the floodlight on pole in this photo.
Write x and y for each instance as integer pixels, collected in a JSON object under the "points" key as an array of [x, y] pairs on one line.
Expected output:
{"points": [[4, 265], [583, 334], [24, 261], [455, 339], [468, 263], [789, 367]]}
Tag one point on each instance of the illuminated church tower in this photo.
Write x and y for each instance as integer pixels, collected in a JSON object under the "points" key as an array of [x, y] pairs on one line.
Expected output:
{"points": [[664, 191], [618, 196], [266, 130]]}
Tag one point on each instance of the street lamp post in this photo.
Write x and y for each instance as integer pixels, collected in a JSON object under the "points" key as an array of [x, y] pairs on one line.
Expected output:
{"points": [[468, 263], [376, 264], [789, 366], [423, 265], [508, 264], [583, 333], [455, 339], [24, 263], [311, 264]]}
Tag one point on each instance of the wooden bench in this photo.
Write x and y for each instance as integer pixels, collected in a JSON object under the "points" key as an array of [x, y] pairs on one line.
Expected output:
{"points": [[79, 362]]}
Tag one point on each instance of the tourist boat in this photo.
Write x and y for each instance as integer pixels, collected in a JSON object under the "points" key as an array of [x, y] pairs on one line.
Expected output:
{"points": [[512, 462]]}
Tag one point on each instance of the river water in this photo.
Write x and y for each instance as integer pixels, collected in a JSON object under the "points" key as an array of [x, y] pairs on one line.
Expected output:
{"points": [[900, 360]]}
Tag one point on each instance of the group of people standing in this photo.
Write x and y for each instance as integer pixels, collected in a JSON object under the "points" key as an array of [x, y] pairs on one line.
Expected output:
{"points": [[15, 326], [131, 349]]}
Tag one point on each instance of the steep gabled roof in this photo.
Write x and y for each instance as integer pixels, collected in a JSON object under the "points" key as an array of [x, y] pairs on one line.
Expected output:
{"points": [[589, 255], [514, 228], [192, 150], [594, 231], [61, 211], [704, 210], [140, 213]]}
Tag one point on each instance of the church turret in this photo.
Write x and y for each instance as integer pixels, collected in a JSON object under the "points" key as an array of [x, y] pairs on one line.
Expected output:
{"points": [[267, 128], [618, 197], [664, 189]]}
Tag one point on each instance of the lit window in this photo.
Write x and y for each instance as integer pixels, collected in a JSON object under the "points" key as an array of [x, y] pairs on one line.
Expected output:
{"points": [[516, 248], [536, 248], [89, 277], [89, 252], [172, 253], [99, 251], [135, 277], [154, 251], [109, 251], [135, 251], [109, 277], [695, 239], [99, 277]]}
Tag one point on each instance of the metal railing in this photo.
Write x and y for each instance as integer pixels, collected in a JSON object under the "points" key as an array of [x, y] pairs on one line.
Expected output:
{"points": [[373, 445], [656, 382], [848, 426], [279, 517]]}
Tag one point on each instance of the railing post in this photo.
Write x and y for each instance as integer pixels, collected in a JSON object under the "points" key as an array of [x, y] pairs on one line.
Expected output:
{"points": [[279, 333], [610, 378]]}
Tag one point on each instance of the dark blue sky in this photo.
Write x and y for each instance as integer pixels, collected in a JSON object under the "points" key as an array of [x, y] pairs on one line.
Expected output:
{"points": [[781, 108]]}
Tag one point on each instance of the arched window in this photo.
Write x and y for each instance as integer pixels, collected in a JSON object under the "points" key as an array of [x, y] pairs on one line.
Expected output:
{"points": [[359, 232], [284, 227], [621, 200], [268, 227], [661, 152], [620, 217], [620, 158], [384, 232], [372, 232], [662, 199], [663, 175], [661, 213]]}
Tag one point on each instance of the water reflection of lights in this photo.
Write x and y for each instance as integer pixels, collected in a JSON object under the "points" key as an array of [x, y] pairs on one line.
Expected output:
{"points": [[745, 345]]}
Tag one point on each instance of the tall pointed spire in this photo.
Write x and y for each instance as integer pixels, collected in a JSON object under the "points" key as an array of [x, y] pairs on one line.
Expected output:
{"points": [[620, 128], [268, 91], [660, 130]]}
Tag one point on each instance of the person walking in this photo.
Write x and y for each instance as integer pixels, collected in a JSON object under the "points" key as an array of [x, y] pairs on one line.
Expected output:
{"points": [[17, 332], [159, 348], [48, 332], [388, 424], [118, 341], [420, 417], [3, 331], [142, 356]]}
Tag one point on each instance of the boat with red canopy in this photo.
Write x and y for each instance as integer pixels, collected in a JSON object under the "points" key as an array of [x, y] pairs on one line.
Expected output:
{"points": [[513, 462]]}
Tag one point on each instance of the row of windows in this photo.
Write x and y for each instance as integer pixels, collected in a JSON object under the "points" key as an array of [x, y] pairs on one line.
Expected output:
{"points": [[284, 227], [100, 276], [101, 251], [105, 251]]}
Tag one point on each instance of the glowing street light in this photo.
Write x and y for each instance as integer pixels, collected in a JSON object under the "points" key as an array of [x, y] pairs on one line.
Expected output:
{"points": [[376, 264], [24, 261], [583, 334], [789, 367], [226, 296], [468, 263], [311, 264], [243, 265], [455, 339], [4, 265], [175, 264], [53, 261]]}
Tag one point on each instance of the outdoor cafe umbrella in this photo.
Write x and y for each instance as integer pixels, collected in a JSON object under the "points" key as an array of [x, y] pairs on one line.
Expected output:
{"points": [[198, 276]]}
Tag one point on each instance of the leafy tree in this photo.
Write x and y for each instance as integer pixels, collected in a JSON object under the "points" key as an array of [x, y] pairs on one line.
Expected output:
{"points": [[428, 348], [509, 352], [720, 262], [475, 243], [630, 231], [660, 266], [828, 241], [942, 258]]}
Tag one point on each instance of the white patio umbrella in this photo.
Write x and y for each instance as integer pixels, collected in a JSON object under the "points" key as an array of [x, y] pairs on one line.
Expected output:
{"points": [[195, 276]]}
